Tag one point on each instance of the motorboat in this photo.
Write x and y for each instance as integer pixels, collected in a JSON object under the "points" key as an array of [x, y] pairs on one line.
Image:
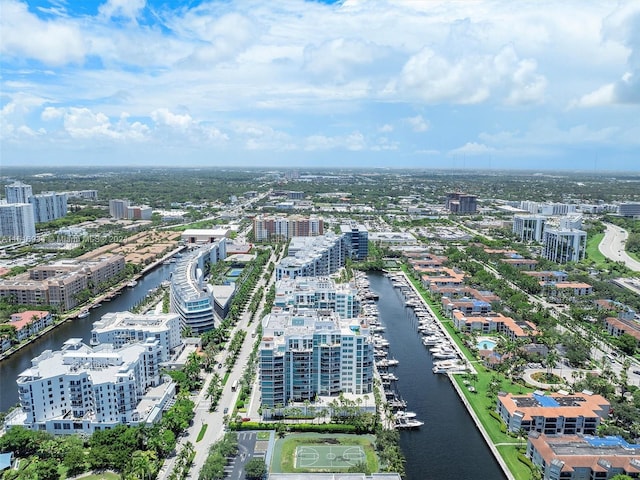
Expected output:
{"points": [[404, 414], [408, 423], [431, 340], [83, 314]]}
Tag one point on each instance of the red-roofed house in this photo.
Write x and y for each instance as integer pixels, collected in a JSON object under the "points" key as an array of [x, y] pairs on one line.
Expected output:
{"points": [[30, 322], [618, 326]]}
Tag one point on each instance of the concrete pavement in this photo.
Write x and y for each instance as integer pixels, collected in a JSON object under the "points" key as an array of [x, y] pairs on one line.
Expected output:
{"points": [[612, 246], [215, 420]]}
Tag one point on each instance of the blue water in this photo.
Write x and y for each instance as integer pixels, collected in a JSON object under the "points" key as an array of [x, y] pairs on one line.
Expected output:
{"points": [[486, 344], [448, 445]]}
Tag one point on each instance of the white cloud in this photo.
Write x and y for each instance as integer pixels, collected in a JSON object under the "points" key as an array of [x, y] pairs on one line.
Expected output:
{"points": [[471, 148], [129, 9], [622, 26], [386, 128], [54, 42], [431, 77], [354, 141], [418, 124]]}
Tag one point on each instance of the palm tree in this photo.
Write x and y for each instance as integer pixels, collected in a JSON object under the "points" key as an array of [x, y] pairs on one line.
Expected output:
{"points": [[550, 361]]}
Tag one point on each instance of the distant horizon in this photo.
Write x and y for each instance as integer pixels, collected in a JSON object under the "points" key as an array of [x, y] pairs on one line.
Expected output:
{"points": [[43, 167]]}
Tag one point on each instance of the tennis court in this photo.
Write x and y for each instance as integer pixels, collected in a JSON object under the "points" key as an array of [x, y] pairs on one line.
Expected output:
{"points": [[328, 456]]}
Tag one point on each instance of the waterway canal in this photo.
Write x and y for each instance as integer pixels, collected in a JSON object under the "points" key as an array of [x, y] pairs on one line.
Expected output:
{"points": [[11, 367], [448, 445]]}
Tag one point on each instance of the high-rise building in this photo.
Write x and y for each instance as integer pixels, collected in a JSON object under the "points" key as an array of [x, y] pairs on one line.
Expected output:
{"points": [[630, 209], [313, 256], [461, 203], [280, 227], [142, 212], [356, 240], [191, 297], [118, 208], [18, 192], [529, 228], [320, 293], [309, 354], [564, 245], [124, 328], [17, 223], [48, 206]]}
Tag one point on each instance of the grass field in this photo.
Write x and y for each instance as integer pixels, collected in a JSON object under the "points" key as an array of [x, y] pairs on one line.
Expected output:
{"points": [[316, 452], [593, 253], [101, 476], [481, 404]]}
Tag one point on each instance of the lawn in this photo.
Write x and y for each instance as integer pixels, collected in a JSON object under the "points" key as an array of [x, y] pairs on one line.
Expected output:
{"points": [[101, 476], [481, 404], [593, 253], [285, 448]]}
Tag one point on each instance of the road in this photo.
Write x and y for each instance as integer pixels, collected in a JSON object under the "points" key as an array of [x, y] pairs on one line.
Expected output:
{"points": [[215, 420], [612, 247]]}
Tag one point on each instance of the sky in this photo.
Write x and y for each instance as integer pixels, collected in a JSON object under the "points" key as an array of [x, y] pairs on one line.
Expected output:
{"points": [[366, 84]]}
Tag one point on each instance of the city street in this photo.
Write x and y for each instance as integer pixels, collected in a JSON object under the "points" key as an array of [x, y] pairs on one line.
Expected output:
{"points": [[215, 419], [612, 247]]}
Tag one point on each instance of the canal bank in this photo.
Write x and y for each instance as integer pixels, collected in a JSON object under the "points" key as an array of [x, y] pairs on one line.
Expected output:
{"points": [[461, 394], [96, 301], [448, 445], [12, 366]]}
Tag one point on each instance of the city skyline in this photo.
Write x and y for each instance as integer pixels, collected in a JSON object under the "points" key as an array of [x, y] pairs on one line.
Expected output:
{"points": [[464, 85]]}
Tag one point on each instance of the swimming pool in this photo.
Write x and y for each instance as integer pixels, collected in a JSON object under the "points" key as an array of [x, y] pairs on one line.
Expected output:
{"points": [[486, 344]]}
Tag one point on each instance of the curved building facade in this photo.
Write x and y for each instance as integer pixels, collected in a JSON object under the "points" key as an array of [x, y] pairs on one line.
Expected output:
{"points": [[191, 297]]}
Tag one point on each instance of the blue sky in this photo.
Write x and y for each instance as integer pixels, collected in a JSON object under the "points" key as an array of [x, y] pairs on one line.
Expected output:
{"points": [[433, 84]]}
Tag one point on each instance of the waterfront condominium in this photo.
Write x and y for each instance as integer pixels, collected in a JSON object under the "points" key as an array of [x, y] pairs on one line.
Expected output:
{"points": [[18, 192], [191, 296], [320, 293], [80, 389], [123, 328], [313, 353], [356, 240], [313, 256], [17, 223], [62, 283]]}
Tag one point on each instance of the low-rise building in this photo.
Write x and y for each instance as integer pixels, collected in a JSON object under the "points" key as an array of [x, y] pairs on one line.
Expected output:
{"points": [[439, 277], [521, 263], [618, 326], [578, 457], [494, 322], [569, 289], [30, 322], [548, 277], [62, 284], [553, 414]]}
